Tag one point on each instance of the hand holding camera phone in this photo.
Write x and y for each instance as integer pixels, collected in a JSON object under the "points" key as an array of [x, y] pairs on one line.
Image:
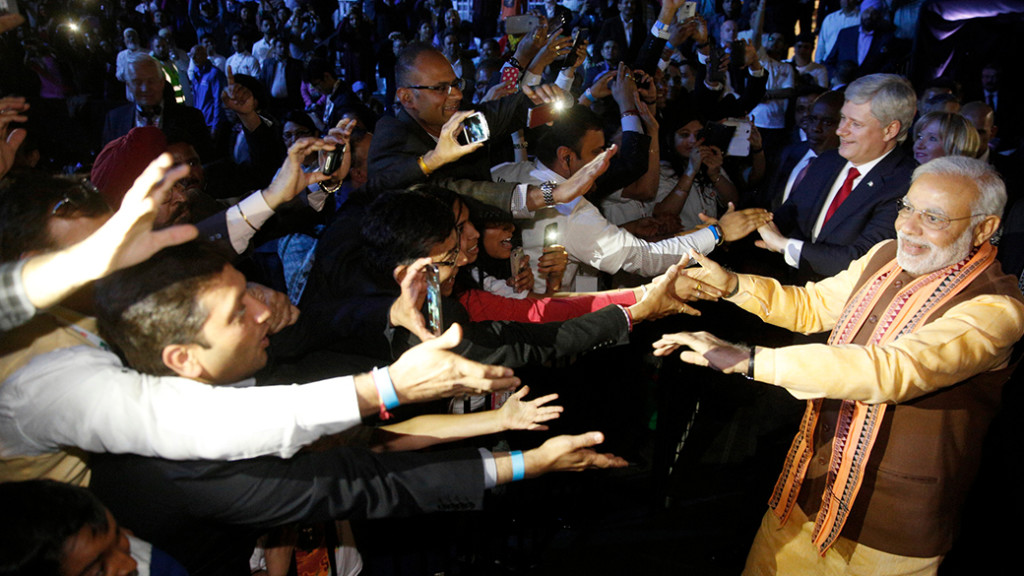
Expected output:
{"points": [[330, 160], [434, 320], [474, 129]]}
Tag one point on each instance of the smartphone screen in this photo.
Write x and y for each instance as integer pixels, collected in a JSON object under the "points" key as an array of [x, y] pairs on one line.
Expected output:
{"points": [[550, 235], [434, 300]]}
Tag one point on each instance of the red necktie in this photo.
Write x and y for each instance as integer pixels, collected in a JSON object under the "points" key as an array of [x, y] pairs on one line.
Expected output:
{"points": [[844, 191]]}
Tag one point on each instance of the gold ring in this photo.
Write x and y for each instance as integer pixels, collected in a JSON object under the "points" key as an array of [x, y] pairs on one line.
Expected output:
{"points": [[698, 287]]}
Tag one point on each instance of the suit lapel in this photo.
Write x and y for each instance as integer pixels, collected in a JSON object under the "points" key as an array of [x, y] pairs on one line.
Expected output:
{"points": [[863, 194]]}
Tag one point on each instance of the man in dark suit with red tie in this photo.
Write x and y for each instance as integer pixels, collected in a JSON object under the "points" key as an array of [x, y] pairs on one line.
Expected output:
{"points": [[846, 203], [795, 160]]}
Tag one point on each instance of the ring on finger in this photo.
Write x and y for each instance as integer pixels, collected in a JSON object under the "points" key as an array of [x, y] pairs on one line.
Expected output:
{"points": [[698, 287]]}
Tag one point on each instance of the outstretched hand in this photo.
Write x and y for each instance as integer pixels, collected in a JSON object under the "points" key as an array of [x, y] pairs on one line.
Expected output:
{"points": [[711, 273], [569, 454], [737, 224], [583, 180], [705, 350], [519, 414], [430, 370], [128, 237]]}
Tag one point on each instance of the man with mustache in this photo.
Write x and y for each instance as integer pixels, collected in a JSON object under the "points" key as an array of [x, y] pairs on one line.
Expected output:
{"points": [[922, 330]]}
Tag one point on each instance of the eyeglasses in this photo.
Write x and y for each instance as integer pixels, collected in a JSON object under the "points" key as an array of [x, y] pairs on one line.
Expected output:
{"points": [[76, 200], [929, 220], [446, 87]]}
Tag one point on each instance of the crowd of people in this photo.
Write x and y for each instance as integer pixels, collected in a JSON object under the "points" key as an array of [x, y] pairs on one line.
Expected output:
{"points": [[262, 260]]}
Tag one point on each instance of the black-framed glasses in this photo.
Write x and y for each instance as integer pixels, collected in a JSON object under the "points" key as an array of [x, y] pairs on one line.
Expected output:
{"points": [[446, 87], [929, 220], [78, 199]]}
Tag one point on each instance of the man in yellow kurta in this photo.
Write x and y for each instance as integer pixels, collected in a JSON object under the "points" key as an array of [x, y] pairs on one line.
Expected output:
{"points": [[900, 398]]}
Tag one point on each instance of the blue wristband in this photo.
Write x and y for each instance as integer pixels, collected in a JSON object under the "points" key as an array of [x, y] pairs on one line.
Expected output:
{"points": [[518, 465], [385, 388], [717, 233]]}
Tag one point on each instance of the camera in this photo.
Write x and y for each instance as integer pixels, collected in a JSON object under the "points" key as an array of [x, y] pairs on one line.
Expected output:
{"points": [[474, 129]]}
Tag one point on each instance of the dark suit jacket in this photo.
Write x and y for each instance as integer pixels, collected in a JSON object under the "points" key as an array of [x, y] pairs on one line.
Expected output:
{"points": [[180, 123], [886, 54], [864, 219], [399, 142], [614, 29], [771, 196], [208, 515], [292, 79]]}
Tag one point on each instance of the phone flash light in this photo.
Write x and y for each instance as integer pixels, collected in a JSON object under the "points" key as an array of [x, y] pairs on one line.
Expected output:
{"points": [[551, 237], [559, 104], [73, 26]]}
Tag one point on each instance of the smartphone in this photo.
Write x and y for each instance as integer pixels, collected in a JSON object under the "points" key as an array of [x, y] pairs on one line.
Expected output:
{"points": [[686, 11], [330, 160], [715, 56], [544, 114], [518, 260], [434, 300], [642, 81], [579, 35], [550, 235], [474, 129], [521, 24], [717, 134], [739, 144]]}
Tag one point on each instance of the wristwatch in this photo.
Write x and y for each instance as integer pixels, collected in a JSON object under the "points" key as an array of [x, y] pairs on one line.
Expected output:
{"points": [[548, 189]]}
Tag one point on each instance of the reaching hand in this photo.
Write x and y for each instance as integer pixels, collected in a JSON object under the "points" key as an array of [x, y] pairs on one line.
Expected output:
{"points": [[448, 148], [712, 273], [705, 350], [601, 88], [238, 98], [128, 237], [518, 414], [623, 88], [282, 312], [583, 180], [12, 109], [430, 370], [406, 310], [543, 93], [291, 179], [771, 238], [556, 47], [499, 91], [667, 295], [736, 224], [569, 454]]}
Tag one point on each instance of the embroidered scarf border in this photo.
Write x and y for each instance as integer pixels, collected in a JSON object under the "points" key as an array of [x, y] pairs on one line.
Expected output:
{"points": [[857, 426]]}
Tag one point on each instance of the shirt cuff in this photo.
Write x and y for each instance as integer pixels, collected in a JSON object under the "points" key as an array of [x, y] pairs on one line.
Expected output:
{"points": [[18, 307], [518, 208], [632, 123], [660, 30], [316, 197], [705, 240], [331, 404], [792, 252], [241, 229], [490, 469], [530, 79]]}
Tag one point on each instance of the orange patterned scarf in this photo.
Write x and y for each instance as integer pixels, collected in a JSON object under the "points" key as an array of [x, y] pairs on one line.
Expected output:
{"points": [[858, 423]]}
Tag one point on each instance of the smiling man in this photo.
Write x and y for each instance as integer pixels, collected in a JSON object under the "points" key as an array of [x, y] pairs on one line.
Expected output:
{"points": [[922, 331], [847, 201]]}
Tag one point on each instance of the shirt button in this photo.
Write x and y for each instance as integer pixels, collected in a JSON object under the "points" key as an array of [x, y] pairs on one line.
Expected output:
{"points": [[872, 318], [822, 460], [898, 283]]}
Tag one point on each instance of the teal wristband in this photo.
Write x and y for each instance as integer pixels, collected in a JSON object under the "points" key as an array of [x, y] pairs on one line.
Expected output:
{"points": [[589, 96], [518, 465], [385, 388]]}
